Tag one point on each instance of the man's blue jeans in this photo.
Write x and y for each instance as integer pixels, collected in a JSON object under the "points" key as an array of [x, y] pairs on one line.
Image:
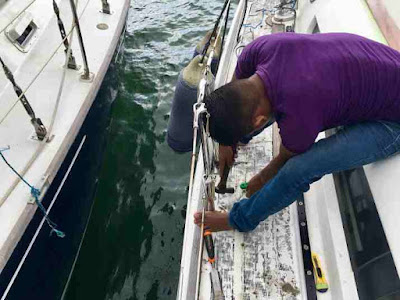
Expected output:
{"points": [[351, 147]]}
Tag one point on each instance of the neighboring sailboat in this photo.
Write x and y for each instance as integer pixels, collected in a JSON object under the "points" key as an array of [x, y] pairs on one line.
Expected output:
{"points": [[53, 58]]}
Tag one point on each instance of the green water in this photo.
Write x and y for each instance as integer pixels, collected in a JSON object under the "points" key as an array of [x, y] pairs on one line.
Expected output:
{"points": [[133, 243]]}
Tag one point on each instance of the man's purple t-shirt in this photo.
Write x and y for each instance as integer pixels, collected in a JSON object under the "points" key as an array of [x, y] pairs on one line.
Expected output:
{"points": [[316, 82]]}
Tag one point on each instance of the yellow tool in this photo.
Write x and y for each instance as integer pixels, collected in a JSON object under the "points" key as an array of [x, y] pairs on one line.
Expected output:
{"points": [[321, 283]]}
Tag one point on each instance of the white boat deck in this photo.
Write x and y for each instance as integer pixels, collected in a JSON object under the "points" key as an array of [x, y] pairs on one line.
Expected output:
{"points": [[262, 264]]}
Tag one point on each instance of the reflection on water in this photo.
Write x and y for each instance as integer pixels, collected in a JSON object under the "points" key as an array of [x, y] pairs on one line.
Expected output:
{"points": [[133, 243]]}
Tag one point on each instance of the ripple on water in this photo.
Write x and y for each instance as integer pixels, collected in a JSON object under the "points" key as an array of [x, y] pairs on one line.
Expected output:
{"points": [[133, 242]]}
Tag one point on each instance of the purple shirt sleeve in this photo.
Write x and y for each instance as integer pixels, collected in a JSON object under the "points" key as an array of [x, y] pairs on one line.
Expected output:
{"points": [[297, 136], [253, 57], [246, 66]]}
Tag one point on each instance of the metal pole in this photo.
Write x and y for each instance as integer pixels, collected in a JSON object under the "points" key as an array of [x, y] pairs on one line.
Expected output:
{"points": [[40, 129], [86, 72], [71, 59], [106, 7]]}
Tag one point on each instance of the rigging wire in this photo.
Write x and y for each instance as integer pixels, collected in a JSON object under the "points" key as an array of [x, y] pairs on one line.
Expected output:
{"points": [[207, 45], [223, 35], [202, 88], [71, 59], [244, 17], [86, 72]]}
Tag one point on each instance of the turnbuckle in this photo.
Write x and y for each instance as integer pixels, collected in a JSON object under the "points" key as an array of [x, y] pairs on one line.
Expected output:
{"points": [[40, 129]]}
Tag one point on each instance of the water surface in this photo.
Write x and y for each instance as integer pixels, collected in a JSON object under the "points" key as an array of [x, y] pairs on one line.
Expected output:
{"points": [[133, 242]]}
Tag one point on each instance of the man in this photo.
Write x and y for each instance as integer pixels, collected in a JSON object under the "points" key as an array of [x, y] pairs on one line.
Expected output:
{"points": [[308, 83]]}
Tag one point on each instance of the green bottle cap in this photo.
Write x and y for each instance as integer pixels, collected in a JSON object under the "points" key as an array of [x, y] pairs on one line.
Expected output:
{"points": [[244, 185]]}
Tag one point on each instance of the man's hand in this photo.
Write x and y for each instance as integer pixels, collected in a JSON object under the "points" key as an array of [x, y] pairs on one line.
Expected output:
{"points": [[266, 174], [213, 220], [226, 157]]}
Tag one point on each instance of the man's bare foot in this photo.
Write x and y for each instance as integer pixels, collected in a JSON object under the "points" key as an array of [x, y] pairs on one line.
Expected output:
{"points": [[213, 220]]}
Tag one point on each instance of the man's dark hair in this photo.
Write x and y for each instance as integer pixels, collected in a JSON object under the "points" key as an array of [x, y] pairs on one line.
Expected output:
{"points": [[231, 109]]}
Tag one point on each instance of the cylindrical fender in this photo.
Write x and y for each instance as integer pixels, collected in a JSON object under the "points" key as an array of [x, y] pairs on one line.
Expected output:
{"points": [[180, 125]]}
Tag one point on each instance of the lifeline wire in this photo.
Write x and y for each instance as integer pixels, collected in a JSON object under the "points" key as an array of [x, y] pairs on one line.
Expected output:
{"points": [[35, 194]]}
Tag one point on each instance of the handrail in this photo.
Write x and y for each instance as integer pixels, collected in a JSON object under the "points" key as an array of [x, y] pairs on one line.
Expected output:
{"points": [[86, 72]]}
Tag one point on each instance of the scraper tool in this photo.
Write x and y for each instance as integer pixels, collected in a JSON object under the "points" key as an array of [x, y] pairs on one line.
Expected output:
{"points": [[216, 285]]}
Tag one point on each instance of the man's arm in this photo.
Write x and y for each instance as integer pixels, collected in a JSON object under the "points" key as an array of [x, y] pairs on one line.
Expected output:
{"points": [[266, 174]]}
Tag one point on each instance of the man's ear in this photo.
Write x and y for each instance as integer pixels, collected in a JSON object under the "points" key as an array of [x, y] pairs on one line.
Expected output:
{"points": [[259, 121]]}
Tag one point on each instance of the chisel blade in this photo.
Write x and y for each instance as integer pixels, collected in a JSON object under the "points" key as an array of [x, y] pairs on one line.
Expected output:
{"points": [[216, 285]]}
